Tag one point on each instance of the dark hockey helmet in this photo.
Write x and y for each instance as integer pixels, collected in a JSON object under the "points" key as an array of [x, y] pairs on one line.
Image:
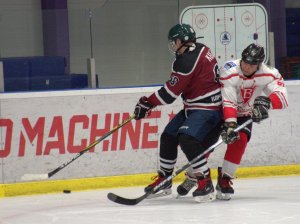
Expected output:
{"points": [[253, 54], [183, 32]]}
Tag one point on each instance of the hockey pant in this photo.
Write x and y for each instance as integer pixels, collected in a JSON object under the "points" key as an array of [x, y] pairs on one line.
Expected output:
{"points": [[190, 146]]}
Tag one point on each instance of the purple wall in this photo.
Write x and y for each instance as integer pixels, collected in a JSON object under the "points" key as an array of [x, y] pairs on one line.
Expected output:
{"points": [[56, 29]]}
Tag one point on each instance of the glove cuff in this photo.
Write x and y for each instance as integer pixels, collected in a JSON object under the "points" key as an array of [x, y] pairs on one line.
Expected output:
{"points": [[263, 101], [144, 100], [231, 124]]}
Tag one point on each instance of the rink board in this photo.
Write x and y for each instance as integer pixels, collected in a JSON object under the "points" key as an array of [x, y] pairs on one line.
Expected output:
{"points": [[40, 131]]}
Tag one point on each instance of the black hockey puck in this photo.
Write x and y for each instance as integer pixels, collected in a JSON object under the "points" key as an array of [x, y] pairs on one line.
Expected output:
{"points": [[67, 191]]}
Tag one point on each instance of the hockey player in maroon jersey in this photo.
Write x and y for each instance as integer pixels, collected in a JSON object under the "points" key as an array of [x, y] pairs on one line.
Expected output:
{"points": [[194, 77], [249, 89]]}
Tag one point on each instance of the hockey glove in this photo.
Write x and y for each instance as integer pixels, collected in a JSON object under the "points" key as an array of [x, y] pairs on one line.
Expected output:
{"points": [[142, 108], [228, 134], [260, 108]]}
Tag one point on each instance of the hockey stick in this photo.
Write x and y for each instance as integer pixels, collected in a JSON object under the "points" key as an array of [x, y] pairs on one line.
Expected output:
{"points": [[126, 201], [30, 177]]}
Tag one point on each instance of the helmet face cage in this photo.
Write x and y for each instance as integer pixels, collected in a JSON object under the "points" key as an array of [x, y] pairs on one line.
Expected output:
{"points": [[253, 54], [184, 32], [172, 46]]}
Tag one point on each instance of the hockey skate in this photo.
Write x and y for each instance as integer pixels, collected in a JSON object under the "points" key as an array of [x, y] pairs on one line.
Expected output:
{"points": [[224, 189], [164, 191], [205, 190], [184, 188]]}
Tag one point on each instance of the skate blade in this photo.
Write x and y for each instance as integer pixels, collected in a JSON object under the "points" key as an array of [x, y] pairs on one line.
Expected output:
{"points": [[207, 198], [223, 196], [163, 193]]}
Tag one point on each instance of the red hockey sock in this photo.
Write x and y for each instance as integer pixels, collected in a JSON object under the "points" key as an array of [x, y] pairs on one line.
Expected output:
{"points": [[235, 151]]}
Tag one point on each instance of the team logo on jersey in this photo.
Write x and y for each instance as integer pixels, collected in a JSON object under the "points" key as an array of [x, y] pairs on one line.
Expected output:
{"points": [[229, 65], [173, 80], [247, 94]]}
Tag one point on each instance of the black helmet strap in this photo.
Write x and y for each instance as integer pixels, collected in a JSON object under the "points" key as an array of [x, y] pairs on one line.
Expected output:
{"points": [[184, 44]]}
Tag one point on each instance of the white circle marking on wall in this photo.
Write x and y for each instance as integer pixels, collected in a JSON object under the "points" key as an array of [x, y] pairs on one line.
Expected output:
{"points": [[247, 18], [201, 21]]}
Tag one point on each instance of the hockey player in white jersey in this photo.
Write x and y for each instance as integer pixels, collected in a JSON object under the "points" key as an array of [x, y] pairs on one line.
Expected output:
{"points": [[249, 89]]}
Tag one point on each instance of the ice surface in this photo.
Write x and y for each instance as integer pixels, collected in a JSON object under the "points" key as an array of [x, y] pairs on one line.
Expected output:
{"points": [[256, 201]]}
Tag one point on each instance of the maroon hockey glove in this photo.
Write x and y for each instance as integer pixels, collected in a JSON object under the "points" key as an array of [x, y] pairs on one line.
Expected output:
{"points": [[142, 108], [260, 108], [228, 134]]}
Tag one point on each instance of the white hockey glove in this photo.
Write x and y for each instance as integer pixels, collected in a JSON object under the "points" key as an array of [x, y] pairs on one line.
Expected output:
{"points": [[261, 107]]}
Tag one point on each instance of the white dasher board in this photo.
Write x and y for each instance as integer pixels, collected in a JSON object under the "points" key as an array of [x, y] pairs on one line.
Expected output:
{"points": [[228, 29]]}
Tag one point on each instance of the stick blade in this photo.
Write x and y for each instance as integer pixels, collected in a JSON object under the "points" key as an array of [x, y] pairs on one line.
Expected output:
{"points": [[31, 177], [125, 201]]}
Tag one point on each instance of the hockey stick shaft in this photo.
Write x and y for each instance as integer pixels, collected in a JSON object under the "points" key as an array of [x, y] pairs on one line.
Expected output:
{"points": [[126, 201], [53, 172], [50, 174]]}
